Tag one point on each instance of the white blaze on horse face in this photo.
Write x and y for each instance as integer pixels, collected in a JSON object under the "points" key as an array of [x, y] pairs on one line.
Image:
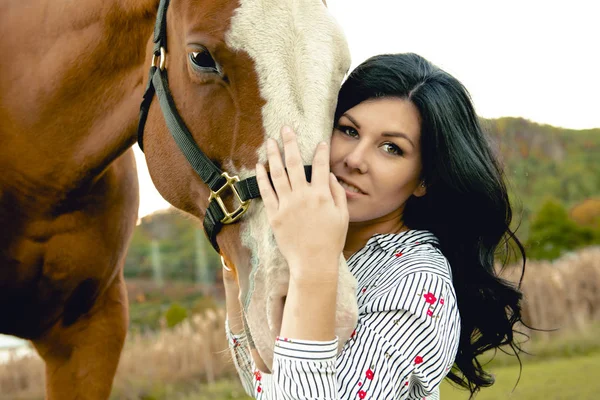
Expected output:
{"points": [[301, 57]]}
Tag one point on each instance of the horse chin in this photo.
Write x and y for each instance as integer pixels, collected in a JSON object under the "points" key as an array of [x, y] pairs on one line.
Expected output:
{"points": [[262, 333]]}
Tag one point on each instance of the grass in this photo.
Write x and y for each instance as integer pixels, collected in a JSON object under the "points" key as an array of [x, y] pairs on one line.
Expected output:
{"points": [[175, 364], [549, 346], [558, 379], [564, 368], [568, 378]]}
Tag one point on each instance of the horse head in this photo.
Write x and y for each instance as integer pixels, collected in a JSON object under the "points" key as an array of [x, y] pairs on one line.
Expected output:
{"points": [[237, 72]]}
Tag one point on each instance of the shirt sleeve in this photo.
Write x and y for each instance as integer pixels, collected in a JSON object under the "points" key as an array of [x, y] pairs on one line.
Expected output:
{"points": [[304, 369], [404, 345], [242, 359]]}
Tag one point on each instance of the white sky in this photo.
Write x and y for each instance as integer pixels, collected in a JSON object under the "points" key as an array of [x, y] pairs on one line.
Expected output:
{"points": [[530, 58]]}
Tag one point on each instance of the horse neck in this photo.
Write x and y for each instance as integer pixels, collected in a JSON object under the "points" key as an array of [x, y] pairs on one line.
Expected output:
{"points": [[71, 88]]}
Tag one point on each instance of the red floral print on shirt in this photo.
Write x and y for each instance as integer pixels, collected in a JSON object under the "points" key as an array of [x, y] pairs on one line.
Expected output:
{"points": [[257, 375], [362, 394], [430, 298], [442, 301], [430, 313], [418, 360], [370, 374], [398, 254]]}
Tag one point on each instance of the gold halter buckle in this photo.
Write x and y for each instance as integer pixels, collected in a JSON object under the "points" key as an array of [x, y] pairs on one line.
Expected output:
{"points": [[161, 60], [230, 217]]}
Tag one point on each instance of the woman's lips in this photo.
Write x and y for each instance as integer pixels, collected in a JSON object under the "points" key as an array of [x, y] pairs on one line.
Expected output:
{"points": [[351, 190]]}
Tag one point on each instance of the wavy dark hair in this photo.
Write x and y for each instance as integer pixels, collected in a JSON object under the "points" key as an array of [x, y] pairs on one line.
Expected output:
{"points": [[466, 205]]}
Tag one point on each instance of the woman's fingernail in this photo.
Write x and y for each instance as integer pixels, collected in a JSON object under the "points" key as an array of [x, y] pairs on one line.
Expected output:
{"points": [[323, 144], [287, 130]]}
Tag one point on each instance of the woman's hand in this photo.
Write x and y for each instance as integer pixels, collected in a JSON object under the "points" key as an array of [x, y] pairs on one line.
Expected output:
{"points": [[309, 220]]}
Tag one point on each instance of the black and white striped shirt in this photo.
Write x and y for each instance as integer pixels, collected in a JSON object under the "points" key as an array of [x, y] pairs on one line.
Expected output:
{"points": [[404, 343]]}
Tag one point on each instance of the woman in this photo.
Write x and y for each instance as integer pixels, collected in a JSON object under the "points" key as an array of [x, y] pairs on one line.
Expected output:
{"points": [[417, 204]]}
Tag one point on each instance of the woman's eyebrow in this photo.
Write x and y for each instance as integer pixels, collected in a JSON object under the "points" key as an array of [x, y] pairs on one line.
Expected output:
{"points": [[352, 120], [384, 134], [398, 135]]}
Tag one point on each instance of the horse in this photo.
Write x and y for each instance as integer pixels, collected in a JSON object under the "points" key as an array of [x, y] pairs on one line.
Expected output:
{"points": [[73, 78]]}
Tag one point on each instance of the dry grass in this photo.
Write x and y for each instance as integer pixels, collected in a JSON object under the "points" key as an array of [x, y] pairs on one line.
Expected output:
{"points": [[193, 352], [564, 294], [22, 378]]}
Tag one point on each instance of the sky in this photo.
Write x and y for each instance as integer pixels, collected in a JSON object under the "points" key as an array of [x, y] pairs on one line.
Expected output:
{"points": [[523, 58]]}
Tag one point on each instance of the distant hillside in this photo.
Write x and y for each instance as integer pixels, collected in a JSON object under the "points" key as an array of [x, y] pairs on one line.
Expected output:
{"points": [[543, 161]]}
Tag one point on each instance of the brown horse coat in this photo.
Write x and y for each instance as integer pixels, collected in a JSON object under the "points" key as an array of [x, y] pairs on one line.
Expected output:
{"points": [[72, 80]]}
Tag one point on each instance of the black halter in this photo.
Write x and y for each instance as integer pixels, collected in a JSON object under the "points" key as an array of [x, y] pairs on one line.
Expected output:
{"points": [[217, 180]]}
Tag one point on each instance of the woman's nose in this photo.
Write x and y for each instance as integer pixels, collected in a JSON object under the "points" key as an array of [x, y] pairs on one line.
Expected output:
{"points": [[356, 159]]}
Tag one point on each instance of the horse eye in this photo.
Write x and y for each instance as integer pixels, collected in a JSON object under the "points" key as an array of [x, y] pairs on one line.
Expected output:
{"points": [[204, 61]]}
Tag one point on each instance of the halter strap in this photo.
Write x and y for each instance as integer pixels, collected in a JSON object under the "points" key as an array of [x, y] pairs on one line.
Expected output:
{"points": [[218, 181]]}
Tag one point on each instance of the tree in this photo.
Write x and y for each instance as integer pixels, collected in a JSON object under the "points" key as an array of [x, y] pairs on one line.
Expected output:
{"points": [[553, 233], [587, 213]]}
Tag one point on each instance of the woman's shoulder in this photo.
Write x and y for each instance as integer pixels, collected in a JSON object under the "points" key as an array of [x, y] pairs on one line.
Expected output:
{"points": [[397, 268], [398, 255]]}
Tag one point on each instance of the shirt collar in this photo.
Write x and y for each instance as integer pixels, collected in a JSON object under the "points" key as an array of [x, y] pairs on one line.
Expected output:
{"points": [[391, 241]]}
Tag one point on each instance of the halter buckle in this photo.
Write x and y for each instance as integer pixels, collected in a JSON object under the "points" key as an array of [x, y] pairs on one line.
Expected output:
{"points": [[159, 60], [230, 217]]}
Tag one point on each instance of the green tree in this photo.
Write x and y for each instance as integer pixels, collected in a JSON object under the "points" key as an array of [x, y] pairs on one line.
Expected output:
{"points": [[553, 233], [175, 314]]}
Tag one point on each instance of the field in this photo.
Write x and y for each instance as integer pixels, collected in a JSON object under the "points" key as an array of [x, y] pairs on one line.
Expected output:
{"points": [[190, 361], [554, 379], [570, 378], [174, 366]]}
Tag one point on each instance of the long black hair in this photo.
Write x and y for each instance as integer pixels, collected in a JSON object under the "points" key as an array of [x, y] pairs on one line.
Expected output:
{"points": [[466, 205]]}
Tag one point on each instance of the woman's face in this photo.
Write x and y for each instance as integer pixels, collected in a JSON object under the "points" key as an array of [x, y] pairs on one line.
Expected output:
{"points": [[376, 156]]}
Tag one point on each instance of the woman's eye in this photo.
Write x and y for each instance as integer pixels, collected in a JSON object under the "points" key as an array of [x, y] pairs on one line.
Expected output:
{"points": [[391, 148], [348, 131], [203, 61]]}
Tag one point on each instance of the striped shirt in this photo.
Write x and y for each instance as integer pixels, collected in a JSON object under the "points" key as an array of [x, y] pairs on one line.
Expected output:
{"points": [[404, 343]]}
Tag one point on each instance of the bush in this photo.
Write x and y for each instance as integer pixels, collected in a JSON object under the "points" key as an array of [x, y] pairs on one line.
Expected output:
{"points": [[553, 233], [175, 314]]}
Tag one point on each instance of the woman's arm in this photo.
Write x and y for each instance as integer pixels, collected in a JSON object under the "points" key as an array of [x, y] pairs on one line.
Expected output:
{"points": [[309, 312]]}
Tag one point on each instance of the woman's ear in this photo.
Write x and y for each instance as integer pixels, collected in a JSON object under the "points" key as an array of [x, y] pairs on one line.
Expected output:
{"points": [[421, 190]]}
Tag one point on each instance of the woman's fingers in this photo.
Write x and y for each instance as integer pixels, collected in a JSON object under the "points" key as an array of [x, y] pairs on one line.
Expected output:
{"points": [[267, 193], [278, 174], [293, 159], [320, 167], [338, 193]]}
